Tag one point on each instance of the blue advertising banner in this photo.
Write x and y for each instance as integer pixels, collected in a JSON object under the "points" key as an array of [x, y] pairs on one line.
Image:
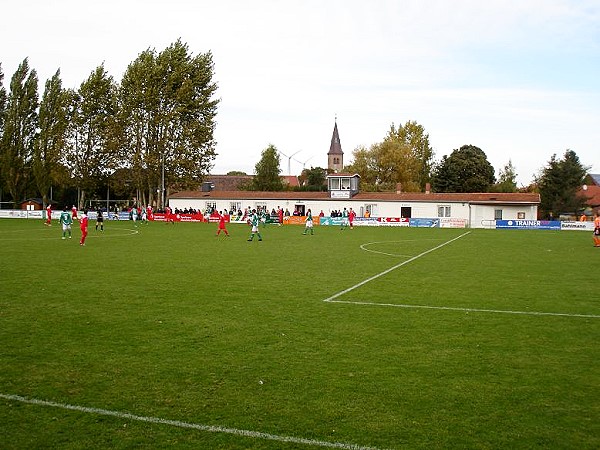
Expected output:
{"points": [[529, 224], [425, 223]]}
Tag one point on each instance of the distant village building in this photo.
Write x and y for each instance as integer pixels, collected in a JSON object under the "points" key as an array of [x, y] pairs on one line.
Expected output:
{"points": [[476, 210]]}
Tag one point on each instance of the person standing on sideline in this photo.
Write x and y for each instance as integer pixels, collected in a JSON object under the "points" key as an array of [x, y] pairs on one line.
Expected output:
{"points": [[309, 223], [48, 215], [222, 225], [597, 230], [351, 216], [99, 219], [66, 221], [254, 222], [83, 226], [344, 219]]}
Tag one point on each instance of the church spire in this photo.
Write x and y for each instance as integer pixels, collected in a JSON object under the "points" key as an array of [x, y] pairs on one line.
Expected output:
{"points": [[335, 157]]}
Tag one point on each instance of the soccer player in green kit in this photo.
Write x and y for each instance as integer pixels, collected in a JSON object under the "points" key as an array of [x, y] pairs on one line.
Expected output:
{"points": [[254, 222], [309, 223], [66, 221]]}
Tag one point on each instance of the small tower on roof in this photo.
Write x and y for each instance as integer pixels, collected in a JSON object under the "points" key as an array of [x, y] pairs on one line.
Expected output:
{"points": [[335, 157]]}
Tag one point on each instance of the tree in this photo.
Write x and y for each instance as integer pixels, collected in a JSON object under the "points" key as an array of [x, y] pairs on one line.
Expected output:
{"points": [[465, 170], [2, 118], [268, 172], [313, 179], [404, 156], [507, 179], [90, 152], [559, 183], [168, 115], [413, 135], [51, 138], [20, 129]]}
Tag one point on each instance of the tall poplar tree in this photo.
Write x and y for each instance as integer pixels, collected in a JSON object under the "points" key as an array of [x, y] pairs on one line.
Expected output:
{"points": [[19, 134], [2, 117], [51, 138], [168, 115], [90, 152]]}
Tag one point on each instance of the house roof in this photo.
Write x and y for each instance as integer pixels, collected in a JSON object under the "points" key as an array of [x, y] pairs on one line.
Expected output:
{"points": [[235, 182], [592, 193], [479, 198], [595, 178], [228, 182]]}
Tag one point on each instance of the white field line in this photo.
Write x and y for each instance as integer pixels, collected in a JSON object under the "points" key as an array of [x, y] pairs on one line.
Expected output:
{"points": [[194, 426], [450, 308], [58, 235], [385, 272], [332, 299]]}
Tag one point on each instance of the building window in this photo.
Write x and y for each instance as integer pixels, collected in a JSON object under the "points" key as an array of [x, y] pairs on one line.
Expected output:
{"points": [[371, 209], [211, 206], [235, 206], [444, 211], [261, 206], [346, 183], [521, 215], [497, 214], [334, 184]]}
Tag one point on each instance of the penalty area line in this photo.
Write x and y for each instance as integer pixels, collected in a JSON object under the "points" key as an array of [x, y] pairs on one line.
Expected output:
{"points": [[385, 272], [451, 308], [180, 424]]}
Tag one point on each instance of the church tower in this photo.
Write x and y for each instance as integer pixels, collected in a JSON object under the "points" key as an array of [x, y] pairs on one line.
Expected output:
{"points": [[335, 157]]}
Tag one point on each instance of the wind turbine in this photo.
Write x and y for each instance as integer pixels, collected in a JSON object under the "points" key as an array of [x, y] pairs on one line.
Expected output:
{"points": [[290, 159], [304, 163]]}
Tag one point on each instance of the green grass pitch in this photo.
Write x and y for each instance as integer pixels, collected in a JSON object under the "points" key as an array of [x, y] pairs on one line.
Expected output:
{"points": [[166, 336]]}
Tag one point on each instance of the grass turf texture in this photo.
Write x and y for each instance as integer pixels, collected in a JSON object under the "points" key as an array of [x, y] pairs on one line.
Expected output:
{"points": [[174, 323]]}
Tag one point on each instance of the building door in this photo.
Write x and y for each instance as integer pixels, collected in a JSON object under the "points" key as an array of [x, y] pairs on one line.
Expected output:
{"points": [[300, 209], [405, 212]]}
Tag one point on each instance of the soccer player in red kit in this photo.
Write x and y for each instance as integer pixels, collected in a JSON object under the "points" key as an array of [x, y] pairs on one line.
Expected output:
{"points": [[83, 226], [74, 212], [169, 216], [351, 216], [222, 225], [48, 215]]}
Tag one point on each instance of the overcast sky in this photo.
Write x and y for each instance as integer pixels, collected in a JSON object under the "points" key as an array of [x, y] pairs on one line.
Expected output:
{"points": [[518, 78]]}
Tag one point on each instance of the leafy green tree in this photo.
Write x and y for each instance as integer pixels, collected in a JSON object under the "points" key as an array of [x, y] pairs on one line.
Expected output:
{"points": [[236, 173], [465, 170], [90, 152], [559, 183], [20, 129], [507, 179], [51, 138], [421, 154], [404, 156], [268, 172], [313, 179], [168, 118], [364, 164]]}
